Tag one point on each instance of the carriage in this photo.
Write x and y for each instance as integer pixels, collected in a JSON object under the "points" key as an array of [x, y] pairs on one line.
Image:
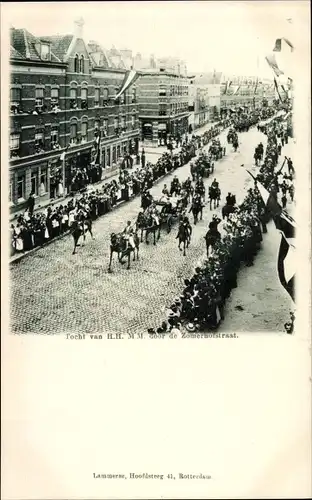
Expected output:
{"points": [[169, 209]]}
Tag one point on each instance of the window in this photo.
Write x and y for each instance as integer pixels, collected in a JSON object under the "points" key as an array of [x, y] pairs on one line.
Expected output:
{"points": [[54, 137], [133, 121], [45, 51], [43, 181], [162, 109], [122, 99], [82, 65], [73, 133], [133, 95], [14, 142], [162, 91], [84, 132], [11, 191], [39, 98], [34, 181], [116, 126], [21, 186], [105, 127], [76, 64], [105, 97], [97, 125], [15, 98], [84, 98], [39, 142], [96, 97], [123, 123], [54, 97], [39, 139], [73, 98]]}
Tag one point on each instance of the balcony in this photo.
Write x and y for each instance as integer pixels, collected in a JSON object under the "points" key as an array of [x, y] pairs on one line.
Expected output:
{"points": [[73, 104], [14, 153], [15, 108]]}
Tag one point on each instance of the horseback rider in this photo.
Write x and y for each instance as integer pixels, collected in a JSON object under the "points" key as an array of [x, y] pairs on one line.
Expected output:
{"points": [[154, 214], [128, 233], [213, 225], [175, 185], [215, 184], [165, 191]]}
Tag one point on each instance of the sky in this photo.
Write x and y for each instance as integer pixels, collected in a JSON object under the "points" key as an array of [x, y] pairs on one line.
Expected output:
{"points": [[232, 37]]}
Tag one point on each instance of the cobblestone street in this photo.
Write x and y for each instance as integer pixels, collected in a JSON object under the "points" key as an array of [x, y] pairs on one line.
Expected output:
{"points": [[54, 291]]}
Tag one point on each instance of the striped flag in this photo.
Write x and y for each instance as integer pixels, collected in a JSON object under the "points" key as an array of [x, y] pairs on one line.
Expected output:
{"points": [[286, 260], [130, 77], [271, 60], [236, 89], [277, 90], [282, 44], [227, 86]]}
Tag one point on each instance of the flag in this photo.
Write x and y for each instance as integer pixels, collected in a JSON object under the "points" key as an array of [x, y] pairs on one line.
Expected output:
{"points": [[279, 44], [236, 89], [271, 60], [256, 86], [276, 88], [227, 86], [286, 260], [130, 77]]}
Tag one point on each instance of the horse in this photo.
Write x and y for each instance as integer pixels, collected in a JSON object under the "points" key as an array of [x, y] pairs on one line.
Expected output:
{"points": [[184, 236], [145, 222], [197, 208], [235, 144], [200, 191], [121, 246], [215, 195], [227, 210], [188, 189], [80, 228], [211, 237]]}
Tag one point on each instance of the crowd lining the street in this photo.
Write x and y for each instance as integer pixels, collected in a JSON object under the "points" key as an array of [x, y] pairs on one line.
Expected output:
{"points": [[201, 304], [35, 228]]}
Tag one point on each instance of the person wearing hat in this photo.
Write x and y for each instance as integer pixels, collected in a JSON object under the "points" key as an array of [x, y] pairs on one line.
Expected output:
{"points": [[190, 327], [128, 235]]}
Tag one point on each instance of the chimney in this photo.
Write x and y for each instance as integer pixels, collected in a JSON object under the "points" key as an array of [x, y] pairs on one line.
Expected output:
{"points": [[79, 23]]}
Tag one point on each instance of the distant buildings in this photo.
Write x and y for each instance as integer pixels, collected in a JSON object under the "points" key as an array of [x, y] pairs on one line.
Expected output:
{"points": [[204, 98], [240, 91], [162, 98]]}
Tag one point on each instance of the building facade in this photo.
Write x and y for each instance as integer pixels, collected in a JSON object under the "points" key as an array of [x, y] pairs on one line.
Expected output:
{"points": [[63, 114], [162, 100], [241, 91], [204, 98]]}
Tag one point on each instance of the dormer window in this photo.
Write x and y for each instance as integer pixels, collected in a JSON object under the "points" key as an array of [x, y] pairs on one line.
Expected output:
{"points": [[81, 65], [76, 64], [45, 51]]}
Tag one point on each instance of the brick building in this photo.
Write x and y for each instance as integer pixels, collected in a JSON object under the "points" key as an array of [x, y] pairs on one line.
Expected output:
{"points": [[162, 99], [62, 99]]}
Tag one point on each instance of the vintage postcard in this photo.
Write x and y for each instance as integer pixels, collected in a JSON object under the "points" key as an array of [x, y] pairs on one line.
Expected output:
{"points": [[156, 253]]}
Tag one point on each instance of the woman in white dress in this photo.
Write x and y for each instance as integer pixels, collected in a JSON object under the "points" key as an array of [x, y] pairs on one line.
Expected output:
{"points": [[19, 244], [60, 189]]}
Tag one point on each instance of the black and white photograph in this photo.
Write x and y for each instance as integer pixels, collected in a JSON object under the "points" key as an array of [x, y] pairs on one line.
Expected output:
{"points": [[152, 186]]}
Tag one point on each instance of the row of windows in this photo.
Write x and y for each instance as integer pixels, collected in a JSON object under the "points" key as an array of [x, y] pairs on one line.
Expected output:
{"points": [[173, 90], [119, 126], [100, 98], [174, 108], [39, 184]]}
